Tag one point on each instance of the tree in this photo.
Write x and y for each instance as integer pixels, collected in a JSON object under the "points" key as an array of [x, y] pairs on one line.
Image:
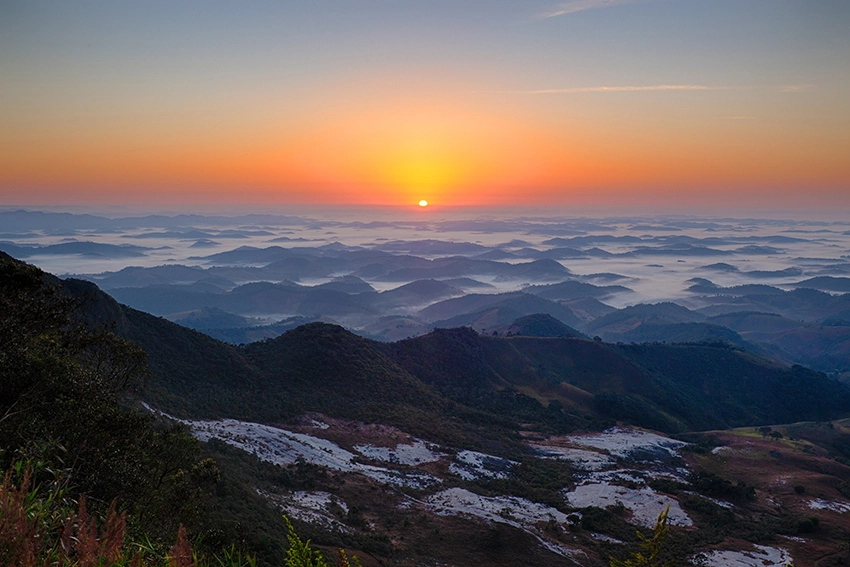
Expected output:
{"points": [[651, 546]]}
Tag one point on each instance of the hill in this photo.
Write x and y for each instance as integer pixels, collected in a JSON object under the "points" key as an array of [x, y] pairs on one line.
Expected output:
{"points": [[630, 318], [539, 325], [574, 290], [484, 444], [448, 312], [210, 318], [669, 388]]}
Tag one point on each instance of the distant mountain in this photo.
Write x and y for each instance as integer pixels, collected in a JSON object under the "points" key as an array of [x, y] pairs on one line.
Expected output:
{"points": [[629, 318], [90, 249], [256, 299], [803, 304], [488, 320], [604, 277], [176, 274], [347, 284], [561, 253], [823, 346], [296, 268], [210, 318], [826, 283], [394, 328], [251, 255], [251, 334], [678, 333], [468, 283], [786, 273], [540, 325], [720, 267], [459, 266], [181, 234], [685, 250], [449, 311], [588, 308], [420, 292], [574, 290], [497, 255], [205, 243], [166, 299], [537, 270], [757, 325], [755, 249], [708, 288]]}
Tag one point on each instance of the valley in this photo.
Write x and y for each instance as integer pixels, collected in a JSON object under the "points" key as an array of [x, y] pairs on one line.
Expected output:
{"points": [[437, 402]]}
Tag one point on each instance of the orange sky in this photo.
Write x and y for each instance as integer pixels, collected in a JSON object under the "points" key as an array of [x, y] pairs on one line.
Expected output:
{"points": [[451, 130]]}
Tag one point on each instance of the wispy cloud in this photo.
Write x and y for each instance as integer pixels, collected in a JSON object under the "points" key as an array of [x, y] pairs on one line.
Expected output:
{"points": [[795, 88], [655, 88], [629, 89], [580, 5]]}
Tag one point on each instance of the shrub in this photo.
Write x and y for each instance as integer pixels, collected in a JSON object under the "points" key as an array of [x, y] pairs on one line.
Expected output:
{"points": [[40, 526]]}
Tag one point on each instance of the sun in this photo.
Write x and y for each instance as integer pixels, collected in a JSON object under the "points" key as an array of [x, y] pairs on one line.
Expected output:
{"points": [[423, 203]]}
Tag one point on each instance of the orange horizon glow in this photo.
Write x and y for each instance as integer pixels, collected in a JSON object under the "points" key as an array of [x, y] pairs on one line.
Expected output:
{"points": [[458, 152]]}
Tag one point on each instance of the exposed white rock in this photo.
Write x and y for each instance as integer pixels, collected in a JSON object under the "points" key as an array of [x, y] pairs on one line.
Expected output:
{"points": [[617, 475], [275, 445], [411, 479], [762, 556], [517, 512], [310, 506], [283, 447], [413, 454], [832, 505], [579, 458], [644, 503], [631, 443], [603, 537], [470, 465]]}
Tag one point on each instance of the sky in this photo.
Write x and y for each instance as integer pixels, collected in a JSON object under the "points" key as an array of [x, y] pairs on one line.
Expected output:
{"points": [[630, 104]]}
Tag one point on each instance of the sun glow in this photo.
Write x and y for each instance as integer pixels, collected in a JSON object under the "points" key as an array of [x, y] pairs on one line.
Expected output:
{"points": [[423, 203]]}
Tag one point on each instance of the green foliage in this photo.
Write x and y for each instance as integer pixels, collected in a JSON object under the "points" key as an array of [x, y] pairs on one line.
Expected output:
{"points": [[651, 547], [344, 561], [808, 525], [712, 485], [300, 554]]}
